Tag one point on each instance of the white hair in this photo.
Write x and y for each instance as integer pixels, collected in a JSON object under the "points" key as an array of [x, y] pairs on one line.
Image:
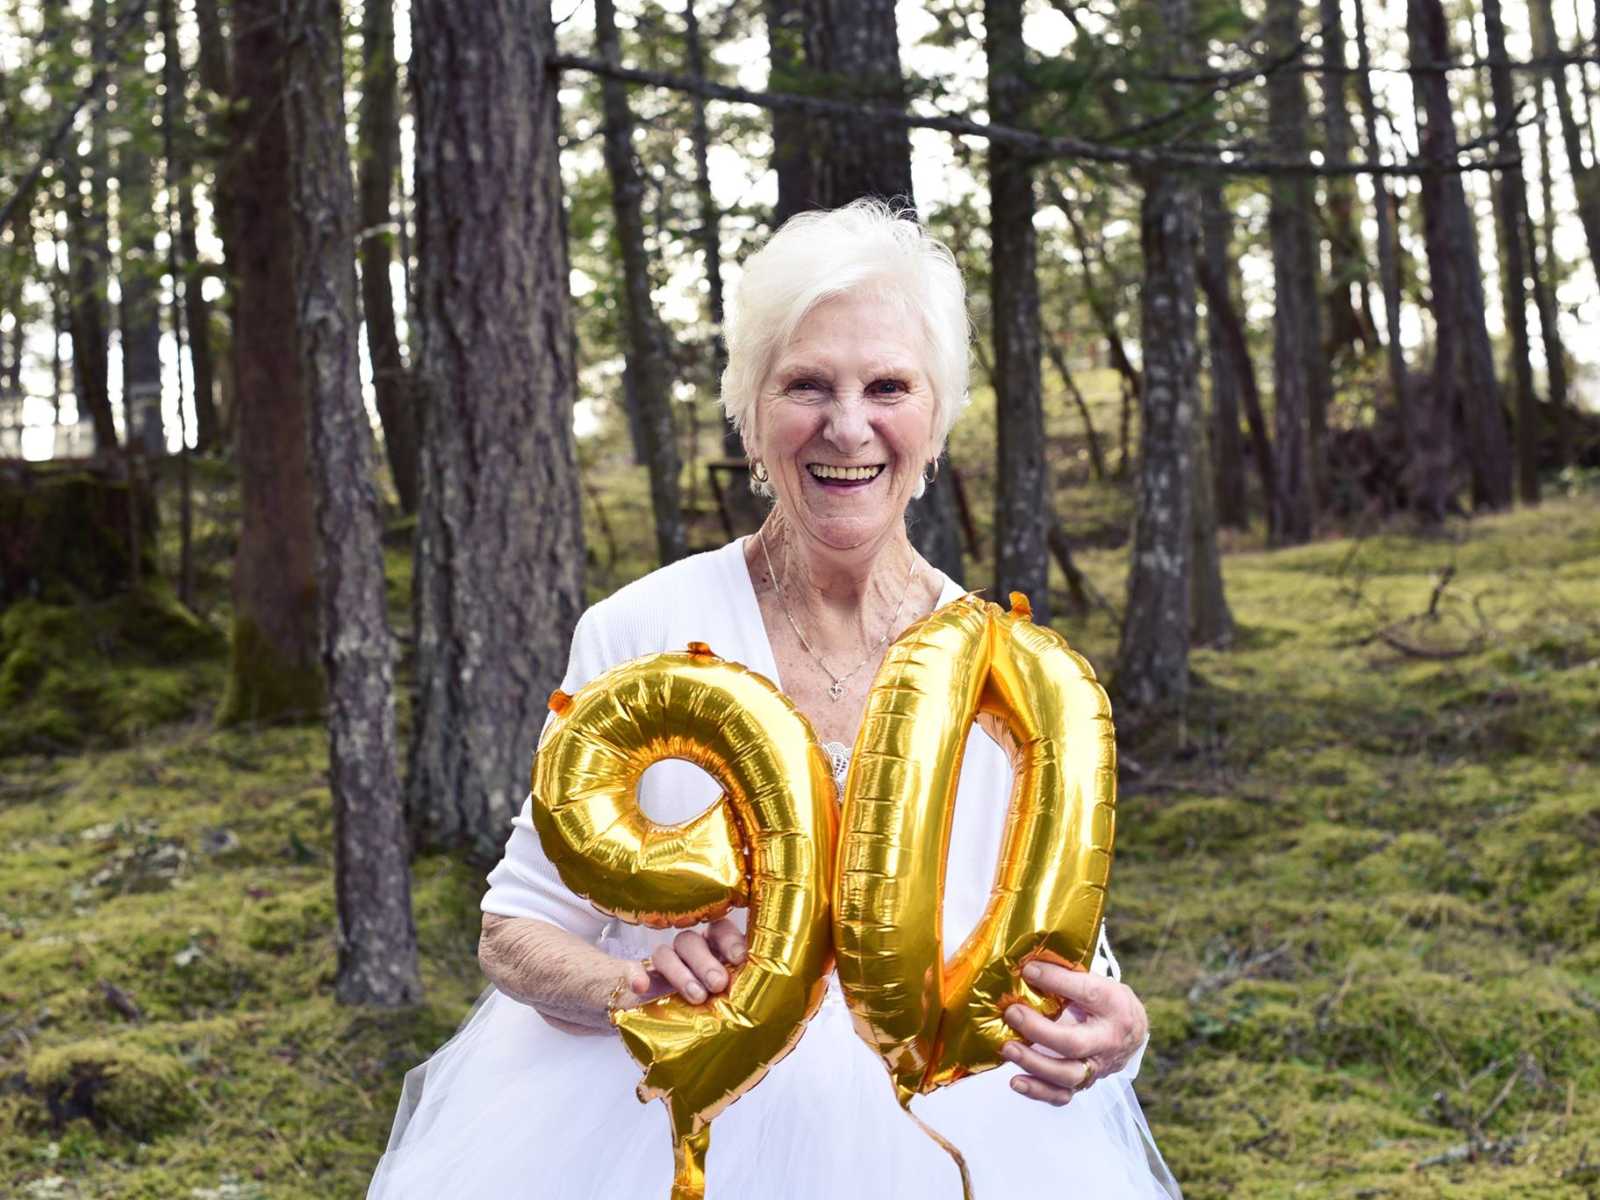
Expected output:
{"points": [[817, 256]]}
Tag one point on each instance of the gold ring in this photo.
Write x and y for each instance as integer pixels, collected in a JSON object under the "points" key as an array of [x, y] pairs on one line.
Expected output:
{"points": [[1088, 1076]]}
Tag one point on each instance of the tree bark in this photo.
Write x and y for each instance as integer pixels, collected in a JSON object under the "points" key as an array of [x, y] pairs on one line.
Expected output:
{"points": [[1585, 176], [379, 135], [1152, 672], [648, 363], [1229, 361], [138, 278], [791, 134], [1541, 256], [1210, 618], [1388, 248], [709, 234], [499, 575], [377, 962], [1097, 458], [1347, 328], [89, 254], [1298, 364], [274, 670], [1023, 514], [1512, 193], [1464, 376]]}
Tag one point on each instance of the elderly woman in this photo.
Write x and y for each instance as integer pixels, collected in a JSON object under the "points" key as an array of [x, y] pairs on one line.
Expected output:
{"points": [[847, 363]]}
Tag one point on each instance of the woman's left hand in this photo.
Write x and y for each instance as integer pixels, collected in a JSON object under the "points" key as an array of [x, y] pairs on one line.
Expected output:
{"points": [[1103, 1026]]}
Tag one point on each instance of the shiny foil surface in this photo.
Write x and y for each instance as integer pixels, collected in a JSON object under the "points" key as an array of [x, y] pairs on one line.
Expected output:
{"points": [[768, 841]]}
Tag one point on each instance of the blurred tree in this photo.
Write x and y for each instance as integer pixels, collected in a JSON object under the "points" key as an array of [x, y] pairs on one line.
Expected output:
{"points": [[1229, 359], [1349, 321], [1152, 671], [1585, 174], [1464, 376], [138, 264], [1544, 264], [274, 670], [378, 166], [1511, 211], [371, 874], [499, 571], [1023, 513], [1300, 385], [648, 374]]}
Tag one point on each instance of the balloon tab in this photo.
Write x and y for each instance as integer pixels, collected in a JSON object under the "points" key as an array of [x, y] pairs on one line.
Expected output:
{"points": [[1020, 606], [700, 650], [559, 702]]}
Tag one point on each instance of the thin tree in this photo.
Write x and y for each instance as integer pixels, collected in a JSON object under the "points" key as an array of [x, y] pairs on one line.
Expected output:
{"points": [[1023, 512], [1543, 261], [709, 232], [648, 364], [1228, 360], [274, 668], [139, 284], [1464, 376], [1299, 368], [499, 572], [1585, 174], [1349, 324], [372, 878], [379, 134], [1512, 211], [1152, 670]]}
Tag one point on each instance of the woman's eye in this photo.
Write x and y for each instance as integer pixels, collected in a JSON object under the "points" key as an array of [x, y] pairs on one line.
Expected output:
{"points": [[889, 388], [804, 387]]}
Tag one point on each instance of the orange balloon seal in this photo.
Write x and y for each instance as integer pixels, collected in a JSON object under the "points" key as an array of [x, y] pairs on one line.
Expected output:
{"points": [[866, 886]]}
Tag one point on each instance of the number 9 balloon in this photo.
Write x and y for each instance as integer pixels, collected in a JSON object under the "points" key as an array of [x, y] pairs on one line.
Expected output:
{"points": [[778, 789], [875, 901]]}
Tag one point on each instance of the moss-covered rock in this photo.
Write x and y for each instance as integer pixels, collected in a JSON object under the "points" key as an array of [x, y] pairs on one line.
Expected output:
{"points": [[99, 673], [113, 1084], [65, 532]]}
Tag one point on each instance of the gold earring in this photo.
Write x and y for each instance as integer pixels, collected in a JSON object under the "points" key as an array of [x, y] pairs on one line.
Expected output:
{"points": [[758, 471], [934, 474]]}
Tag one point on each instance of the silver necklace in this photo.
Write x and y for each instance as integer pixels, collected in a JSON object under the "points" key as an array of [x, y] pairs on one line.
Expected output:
{"points": [[836, 688]]}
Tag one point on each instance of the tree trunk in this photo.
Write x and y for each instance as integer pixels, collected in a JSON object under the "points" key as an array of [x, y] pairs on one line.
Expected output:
{"points": [[648, 363], [89, 253], [379, 134], [709, 235], [1298, 364], [274, 670], [1464, 376], [1210, 618], [214, 66], [139, 279], [1229, 362], [371, 873], [499, 575], [1585, 176], [1542, 258], [1153, 659], [1023, 513], [1346, 256], [1513, 201], [196, 309], [791, 133], [1388, 249]]}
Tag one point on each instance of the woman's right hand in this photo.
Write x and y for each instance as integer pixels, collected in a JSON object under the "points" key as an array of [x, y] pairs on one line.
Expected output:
{"points": [[693, 964]]}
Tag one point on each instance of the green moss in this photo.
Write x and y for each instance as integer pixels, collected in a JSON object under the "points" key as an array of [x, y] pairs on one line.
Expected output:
{"points": [[111, 1083], [263, 685]]}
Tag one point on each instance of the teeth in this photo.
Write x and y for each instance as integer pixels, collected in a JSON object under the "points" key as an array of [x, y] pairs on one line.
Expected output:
{"points": [[823, 471]]}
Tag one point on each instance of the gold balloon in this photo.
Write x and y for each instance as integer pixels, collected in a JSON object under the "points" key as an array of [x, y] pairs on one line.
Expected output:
{"points": [[935, 1020], [768, 840]]}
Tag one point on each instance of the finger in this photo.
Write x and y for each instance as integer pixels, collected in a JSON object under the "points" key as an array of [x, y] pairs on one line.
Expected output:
{"points": [[639, 977], [727, 940], [1038, 1089], [1087, 991], [1085, 1041], [696, 952], [676, 972], [1067, 1073]]}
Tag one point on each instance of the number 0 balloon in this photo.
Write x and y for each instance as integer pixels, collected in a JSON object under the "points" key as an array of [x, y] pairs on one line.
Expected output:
{"points": [[871, 892]]}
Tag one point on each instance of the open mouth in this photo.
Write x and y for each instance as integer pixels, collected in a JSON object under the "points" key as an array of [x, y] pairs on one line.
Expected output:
{"points": [[833, 476]]}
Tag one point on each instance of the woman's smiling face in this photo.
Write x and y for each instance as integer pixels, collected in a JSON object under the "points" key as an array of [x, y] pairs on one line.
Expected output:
{"points": [[845, 420]]}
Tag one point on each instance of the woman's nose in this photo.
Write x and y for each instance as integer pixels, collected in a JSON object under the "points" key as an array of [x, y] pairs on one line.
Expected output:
{"points": [[848, 429]]}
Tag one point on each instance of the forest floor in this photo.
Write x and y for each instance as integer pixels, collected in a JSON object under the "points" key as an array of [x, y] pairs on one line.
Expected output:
{"points": [[1358, 887]]}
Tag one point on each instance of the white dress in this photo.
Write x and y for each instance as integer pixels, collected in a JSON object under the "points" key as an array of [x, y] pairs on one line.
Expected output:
{"points": [[513, 1109]]}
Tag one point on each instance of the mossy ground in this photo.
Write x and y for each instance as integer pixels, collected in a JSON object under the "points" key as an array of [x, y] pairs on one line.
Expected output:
{"points": [[1357, 889]]}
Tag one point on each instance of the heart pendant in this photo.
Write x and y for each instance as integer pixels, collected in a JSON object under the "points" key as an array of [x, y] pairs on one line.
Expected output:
{"points": [[836, 690]]}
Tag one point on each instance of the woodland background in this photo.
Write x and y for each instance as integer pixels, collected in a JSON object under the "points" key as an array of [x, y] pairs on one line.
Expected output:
{"points": [[348, 352]]}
